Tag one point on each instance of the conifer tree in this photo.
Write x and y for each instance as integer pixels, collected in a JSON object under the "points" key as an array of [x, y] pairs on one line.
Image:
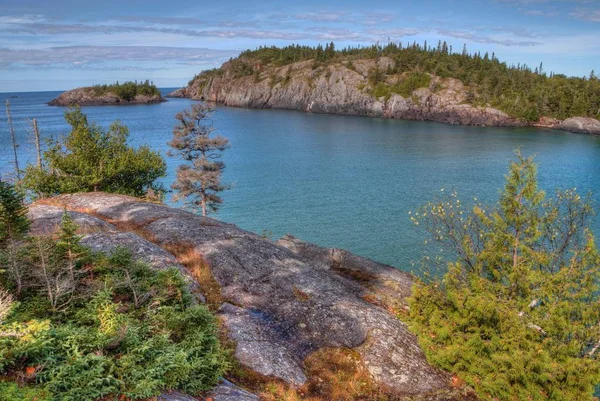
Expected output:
{"points": [[14, 227], [516, 314], [198, 182], [68, 245]]}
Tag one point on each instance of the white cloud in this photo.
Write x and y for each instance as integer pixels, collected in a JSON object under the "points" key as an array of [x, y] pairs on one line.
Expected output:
{"points": [[89, 57]]}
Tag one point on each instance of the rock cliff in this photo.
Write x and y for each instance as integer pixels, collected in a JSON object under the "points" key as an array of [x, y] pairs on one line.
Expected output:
{"points": [[344, 88], [87, 97], [280, 302]]}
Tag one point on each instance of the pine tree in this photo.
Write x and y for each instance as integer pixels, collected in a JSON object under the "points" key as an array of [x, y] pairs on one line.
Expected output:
{"points": [[68, 245], [521, 299], [200, 181], [14, 227]]}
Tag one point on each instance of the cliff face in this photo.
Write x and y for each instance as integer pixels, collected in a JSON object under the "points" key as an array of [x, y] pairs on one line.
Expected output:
{"points": [[345, 89], [280, 302], [87, 97]]}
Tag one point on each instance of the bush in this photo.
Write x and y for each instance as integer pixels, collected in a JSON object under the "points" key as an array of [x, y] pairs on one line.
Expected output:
{"points": [[516, 315], [91, 159], [127, 330]]}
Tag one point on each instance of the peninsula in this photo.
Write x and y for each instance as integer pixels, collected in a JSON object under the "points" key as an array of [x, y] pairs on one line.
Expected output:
{"points": [[415, 82], [114, 94]]}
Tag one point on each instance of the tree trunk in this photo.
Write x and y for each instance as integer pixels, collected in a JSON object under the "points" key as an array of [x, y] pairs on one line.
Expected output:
{"points": [[14, 140], [204, 205], [38, 148]]}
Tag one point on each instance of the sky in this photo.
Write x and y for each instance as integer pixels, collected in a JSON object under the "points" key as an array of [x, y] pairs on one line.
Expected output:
{"points": [[62, 44]]}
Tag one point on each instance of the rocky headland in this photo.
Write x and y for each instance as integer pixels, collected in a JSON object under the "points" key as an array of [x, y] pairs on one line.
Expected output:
{"points": [[281, 304], [345, 88], [89, 96]]}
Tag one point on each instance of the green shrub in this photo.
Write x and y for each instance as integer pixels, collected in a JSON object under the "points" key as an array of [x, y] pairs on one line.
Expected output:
{"points": [[411, 82], [516, 315], [13, 392], [91, 159], [130, 331]]}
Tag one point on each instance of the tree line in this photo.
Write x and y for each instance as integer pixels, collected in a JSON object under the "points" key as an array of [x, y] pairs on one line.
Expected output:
{"points": [[128, 90]]}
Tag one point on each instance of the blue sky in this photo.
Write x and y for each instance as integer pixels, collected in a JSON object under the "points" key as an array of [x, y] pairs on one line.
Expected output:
{"points": [[61, 44]]}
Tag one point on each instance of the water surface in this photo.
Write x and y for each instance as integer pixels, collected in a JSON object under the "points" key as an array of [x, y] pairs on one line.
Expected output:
{"points": [[338, 181]]}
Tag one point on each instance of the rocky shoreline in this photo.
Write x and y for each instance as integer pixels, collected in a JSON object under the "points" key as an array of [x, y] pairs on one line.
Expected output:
{"points": [[343, 89], [280, 302], [86, 97]]}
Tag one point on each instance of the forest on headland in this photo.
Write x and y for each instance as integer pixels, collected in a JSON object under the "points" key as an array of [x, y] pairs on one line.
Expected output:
{"points": [[521, 91]]}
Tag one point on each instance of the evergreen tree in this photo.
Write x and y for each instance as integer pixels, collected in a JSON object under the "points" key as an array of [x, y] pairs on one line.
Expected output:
{"points": [[14, 227], [516, 315], [200, 181], [67, 244]]}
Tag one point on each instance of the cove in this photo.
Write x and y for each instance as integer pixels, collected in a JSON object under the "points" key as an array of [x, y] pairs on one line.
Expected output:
{"points": [[339, 181]]}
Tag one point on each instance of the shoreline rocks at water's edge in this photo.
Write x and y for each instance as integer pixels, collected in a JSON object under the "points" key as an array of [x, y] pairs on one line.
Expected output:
{"points": [[337, 89], [85, 96], [281, 301]]}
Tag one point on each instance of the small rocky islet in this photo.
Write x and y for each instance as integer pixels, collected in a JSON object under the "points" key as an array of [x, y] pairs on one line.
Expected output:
{"points": [[128, 93]]}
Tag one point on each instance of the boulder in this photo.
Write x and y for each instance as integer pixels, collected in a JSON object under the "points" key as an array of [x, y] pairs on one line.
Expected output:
{"points": [[581, 125]]}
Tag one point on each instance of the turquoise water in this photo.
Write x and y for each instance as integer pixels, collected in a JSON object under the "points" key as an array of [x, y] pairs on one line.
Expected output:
{"points": [[338, 181]]}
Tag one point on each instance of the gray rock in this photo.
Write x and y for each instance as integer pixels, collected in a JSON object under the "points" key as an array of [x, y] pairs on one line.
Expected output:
{"points": [[175, 396], [581, 125], [227, 391], [343, 89], [288, 304], [45, 220], [385, 283]]}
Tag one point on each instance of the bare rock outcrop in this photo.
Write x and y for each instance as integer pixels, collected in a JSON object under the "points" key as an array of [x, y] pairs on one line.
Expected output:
{"points": [[581, 125], [283, 301], [86, 96], [344, 88], [225, 391], [45, 219]]}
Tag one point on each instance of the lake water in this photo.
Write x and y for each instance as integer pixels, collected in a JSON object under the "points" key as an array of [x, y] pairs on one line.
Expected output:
{"points": [[338, 181]]}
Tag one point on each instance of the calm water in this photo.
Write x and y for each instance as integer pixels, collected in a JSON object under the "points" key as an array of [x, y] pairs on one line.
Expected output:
{"points": [[338, 181]]}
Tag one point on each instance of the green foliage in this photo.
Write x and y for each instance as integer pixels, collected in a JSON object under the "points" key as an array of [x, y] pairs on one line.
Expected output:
{"points": [[411, 82], [199, 182], [13, 214], [128, 90], [516, 315], [404, 86], [518, 90], [105, 344], [241, 68], [91, 159], [13, 392], [14, 226]]}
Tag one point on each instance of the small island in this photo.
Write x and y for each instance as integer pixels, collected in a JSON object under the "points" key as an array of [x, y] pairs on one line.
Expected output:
{"points": [[111, 95]]}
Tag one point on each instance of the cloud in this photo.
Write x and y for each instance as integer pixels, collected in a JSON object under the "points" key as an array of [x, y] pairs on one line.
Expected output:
{"points": [[486, 39], [586, 14], [89, 57], [541, 13], [371, 19], [329, 16]]}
